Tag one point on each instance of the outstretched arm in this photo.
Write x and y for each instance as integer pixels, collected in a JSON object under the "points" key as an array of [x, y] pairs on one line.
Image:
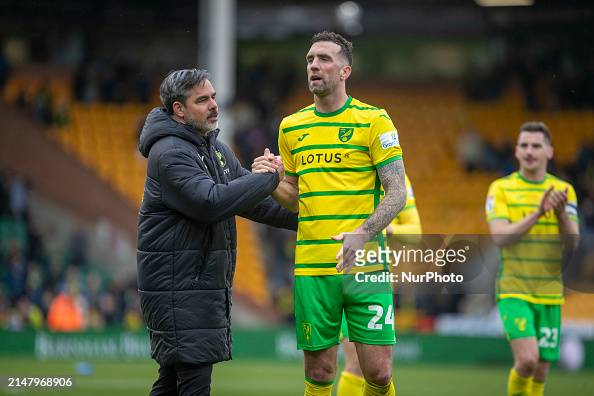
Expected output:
{"points": [[287, 192]]}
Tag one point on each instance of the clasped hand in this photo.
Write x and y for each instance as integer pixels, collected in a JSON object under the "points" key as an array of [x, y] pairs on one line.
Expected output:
{"points": [[269, 163]]}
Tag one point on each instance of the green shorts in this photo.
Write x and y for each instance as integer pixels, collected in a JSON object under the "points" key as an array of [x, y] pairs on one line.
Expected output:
{"points": [[524, 319], [319, 305]]}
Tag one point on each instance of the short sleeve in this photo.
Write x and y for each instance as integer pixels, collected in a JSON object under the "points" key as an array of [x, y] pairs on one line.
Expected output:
{"points": [[384, 144], [496, 205], [285, 152]]}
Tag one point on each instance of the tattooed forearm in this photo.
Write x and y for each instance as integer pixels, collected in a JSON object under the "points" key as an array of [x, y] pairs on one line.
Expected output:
{"points": [[392, 178]]}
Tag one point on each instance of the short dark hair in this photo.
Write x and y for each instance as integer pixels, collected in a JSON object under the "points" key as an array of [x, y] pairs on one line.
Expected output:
{"points": [[346, 47], [177, 85], [537, 127]]}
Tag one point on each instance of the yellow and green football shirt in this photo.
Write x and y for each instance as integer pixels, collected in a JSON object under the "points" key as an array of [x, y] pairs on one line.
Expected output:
{"points": [[531, 268], [335, 155]]}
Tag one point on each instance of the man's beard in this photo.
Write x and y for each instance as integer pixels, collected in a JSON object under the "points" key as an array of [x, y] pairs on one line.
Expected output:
{"points": [[322, 90], [204, 126]]}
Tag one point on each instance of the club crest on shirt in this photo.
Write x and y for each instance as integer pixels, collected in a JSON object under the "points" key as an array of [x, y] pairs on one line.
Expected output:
{"points": [[345, 134], [221, 158]]}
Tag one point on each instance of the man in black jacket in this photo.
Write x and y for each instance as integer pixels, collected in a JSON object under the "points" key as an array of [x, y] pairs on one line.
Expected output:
{"points": [[186, 232]]}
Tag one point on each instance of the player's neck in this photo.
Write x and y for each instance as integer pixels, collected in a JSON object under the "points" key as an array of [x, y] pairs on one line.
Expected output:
{"points": [[330, 103], [537, 175]]}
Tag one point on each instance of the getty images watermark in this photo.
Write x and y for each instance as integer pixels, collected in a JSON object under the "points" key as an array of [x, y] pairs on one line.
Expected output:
{"points": [[393, 258], [463, 264]]}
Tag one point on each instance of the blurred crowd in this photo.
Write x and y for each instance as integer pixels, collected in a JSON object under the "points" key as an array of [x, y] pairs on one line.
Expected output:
{"points": [[553, 74], [37, 292], [104, 80], [42, 106]]}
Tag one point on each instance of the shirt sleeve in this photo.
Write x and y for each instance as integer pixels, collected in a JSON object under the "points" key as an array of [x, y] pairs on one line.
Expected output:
{"points": [[496, 205], [384, 145], [285, 152], [572, 205]]}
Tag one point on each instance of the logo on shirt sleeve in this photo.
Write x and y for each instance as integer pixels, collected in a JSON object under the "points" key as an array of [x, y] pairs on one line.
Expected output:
{"points": [[409, 192], [490, 205], [389, 139], [571, 209]]}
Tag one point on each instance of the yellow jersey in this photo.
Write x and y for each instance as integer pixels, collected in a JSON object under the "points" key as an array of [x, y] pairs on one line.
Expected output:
{"points": [[531, 268], [408, 222], [335, 155]]}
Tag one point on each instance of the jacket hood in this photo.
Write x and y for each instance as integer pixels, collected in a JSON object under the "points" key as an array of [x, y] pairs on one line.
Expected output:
{"points": [[159, 124]]}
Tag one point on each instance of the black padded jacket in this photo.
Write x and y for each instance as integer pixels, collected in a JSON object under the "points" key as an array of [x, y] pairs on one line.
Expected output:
{"points": [[186, 248]]}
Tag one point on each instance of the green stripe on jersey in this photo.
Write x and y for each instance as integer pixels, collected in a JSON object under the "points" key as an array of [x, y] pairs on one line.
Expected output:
{"points": [[315, 265], [387, 161], [312, 108], [524, 189], [532, 259], [324, 124], [337, 192], [354, 169], [334, 217], [546, 223], [318, 242], [329, 146], [545, 241], [535, 278]]}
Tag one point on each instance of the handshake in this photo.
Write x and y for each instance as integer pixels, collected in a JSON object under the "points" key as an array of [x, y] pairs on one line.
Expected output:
{"points": [[269, 163]]}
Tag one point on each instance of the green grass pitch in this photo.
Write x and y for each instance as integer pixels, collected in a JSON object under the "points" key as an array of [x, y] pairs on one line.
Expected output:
{"points": [[268, 378]]}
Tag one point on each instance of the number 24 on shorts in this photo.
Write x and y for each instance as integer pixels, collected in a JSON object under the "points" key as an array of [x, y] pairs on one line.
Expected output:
{"points": [[374, 323]]}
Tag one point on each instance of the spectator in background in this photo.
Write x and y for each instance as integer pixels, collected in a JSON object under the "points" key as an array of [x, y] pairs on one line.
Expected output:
{"points": [[15, 272], [42, 104], [474, 152], [77, 249], [65, 312], [19, 198]]}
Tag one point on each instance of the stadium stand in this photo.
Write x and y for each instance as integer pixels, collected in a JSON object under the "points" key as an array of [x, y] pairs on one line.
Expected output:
{"points": [[431, 120]]}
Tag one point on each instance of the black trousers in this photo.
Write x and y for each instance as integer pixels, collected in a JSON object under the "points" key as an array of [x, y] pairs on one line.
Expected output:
{"points": [[183, 380]]}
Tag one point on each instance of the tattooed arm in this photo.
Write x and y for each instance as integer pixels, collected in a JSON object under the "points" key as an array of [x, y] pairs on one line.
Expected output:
{"points": [[392, 178]]}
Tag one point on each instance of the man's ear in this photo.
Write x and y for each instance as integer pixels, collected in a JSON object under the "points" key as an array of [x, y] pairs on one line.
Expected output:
{"points": [[178, 109], [345, 72], [550, 152]]}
